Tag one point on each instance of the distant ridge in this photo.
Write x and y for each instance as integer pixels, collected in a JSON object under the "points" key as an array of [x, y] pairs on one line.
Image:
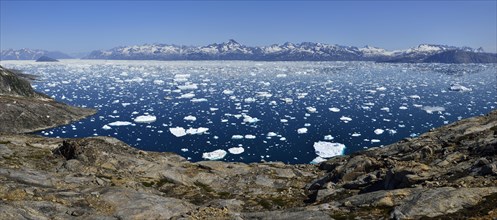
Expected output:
{"points": [[31, 54], [306, 51]]}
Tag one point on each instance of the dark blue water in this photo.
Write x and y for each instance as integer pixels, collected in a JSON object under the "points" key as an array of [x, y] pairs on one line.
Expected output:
{"points": [[353, 87]]}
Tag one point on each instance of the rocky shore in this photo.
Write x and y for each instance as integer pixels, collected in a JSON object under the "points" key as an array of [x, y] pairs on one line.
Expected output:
{"points": [[449, 172]]}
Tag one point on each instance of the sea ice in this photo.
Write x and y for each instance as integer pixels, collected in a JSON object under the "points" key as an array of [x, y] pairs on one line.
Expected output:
{"points": [[106, 127], [328, 149], [214, 155]]}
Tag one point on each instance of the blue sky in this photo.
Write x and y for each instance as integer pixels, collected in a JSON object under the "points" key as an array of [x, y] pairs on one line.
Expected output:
{"points": [[82, 26]]}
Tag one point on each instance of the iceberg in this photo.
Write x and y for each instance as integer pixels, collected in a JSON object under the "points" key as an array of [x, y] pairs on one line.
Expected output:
{"points": [[145, 119], [106, 127], [214, 155], [379, 131], [431, 109], [302, 130], [178, 131], [328, 149], [311, 109], [459, 88], [190, 118], [345, 119], [334, 109], [236, 150], [120, 123]]}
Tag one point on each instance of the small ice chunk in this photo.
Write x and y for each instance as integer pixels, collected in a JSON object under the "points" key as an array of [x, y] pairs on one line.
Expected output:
{"points": [[106, 127], [302, 130], [334, 109], [355, 134], [249, 136], [281, 75], [145, 119], [159, 82], [459, 88], [178, 131], [250, 120], [431, 109], [227, 92], [190, 118], [187, 96], [236, 150], [328, 149], [237, 137], [120, 123], [328, 137], [403, 107], [271, 134], [345, 119], [311, 109], [381, 88], [188, 87], [375, 141], [199, 100], [200, 130], [379, 131], [317, 160], [415, 97], [249, 100], [214, 155]]}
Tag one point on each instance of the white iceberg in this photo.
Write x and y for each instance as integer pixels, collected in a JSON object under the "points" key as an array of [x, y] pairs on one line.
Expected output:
{"points": [[236, 150], [379, 131], [334, 109], [178, 131], [328, 149], [190, 118], [145, 119], [302, 130], [214, 155], [120, 123]]}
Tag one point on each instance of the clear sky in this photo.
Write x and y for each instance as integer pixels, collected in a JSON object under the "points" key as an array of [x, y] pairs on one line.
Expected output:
{"points": [[82, 26]]}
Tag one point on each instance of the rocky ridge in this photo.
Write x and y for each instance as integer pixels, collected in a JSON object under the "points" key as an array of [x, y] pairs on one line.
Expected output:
{"points": [[24, 110]]}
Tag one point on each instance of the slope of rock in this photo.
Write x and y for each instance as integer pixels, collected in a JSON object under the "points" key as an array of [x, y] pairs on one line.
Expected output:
{"points": [[23, 110]]}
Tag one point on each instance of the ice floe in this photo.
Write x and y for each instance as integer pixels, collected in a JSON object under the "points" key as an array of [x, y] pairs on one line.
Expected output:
{"points": [[214, 155], [328, 149], [145, 119]]}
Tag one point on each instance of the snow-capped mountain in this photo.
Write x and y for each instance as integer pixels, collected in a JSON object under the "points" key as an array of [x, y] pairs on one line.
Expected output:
{"points": [[30, 54], [306, 51]]}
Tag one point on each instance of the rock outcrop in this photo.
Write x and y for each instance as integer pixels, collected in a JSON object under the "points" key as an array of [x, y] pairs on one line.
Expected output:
{"points": [[23, 110], [449, 172]]}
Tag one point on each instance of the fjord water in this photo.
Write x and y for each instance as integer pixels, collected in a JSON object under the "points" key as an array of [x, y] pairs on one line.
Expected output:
{"points": [[233, 99]]}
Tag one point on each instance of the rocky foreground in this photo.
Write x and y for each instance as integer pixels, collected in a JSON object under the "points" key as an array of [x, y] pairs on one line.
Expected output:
{"points": [[450, 172], [24, 110]]}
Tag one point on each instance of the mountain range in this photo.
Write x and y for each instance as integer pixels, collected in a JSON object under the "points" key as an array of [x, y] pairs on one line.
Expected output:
{"points": [[306, 51], [31, 54]]}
